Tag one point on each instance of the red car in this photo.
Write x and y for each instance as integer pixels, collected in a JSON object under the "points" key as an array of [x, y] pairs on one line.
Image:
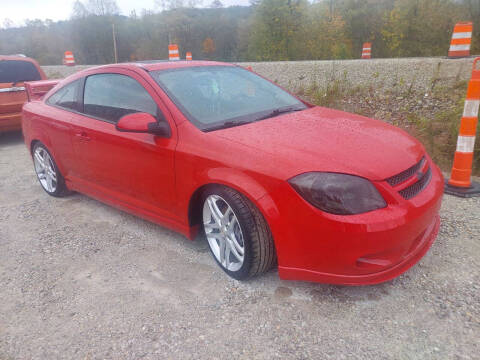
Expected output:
{"points": [[212, 147], [14, 71]]}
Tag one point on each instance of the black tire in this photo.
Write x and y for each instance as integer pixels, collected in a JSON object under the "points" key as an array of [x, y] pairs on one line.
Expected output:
{"points": [[259, 248], [61, 189]]}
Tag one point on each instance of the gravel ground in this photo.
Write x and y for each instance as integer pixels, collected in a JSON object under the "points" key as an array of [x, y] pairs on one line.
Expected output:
{"points": [[81, 280]]}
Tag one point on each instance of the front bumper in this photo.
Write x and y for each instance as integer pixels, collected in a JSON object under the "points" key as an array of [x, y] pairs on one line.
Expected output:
{"points": [[359, 249], [424, 243]]}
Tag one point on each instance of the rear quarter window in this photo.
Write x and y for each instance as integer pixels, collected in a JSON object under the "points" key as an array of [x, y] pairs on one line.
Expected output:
{"points": [[67, 96], [12, 71]]}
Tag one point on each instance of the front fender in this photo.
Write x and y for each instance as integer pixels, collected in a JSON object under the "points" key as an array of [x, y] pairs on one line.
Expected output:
{"points": [[235, 179], [240, 181], [249, 187]]}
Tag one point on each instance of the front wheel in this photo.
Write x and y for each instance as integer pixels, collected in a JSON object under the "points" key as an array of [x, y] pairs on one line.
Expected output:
{"points": [[237, 234]]}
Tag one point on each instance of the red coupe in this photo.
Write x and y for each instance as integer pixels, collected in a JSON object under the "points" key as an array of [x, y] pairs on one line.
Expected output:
{"points": [[214, 148]]}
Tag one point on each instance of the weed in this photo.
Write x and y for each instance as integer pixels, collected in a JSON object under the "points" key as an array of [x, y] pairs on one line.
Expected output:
{"points": [[55, 75]]}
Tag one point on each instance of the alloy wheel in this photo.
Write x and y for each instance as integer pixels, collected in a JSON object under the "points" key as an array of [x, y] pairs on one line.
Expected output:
{"points": [[224, 233], [45, 169]]}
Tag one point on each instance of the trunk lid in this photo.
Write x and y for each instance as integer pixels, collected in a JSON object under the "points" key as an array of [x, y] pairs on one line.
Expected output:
{"points": [[11, 98]]}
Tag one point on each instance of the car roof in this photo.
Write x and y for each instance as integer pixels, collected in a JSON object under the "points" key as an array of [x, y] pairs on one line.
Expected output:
{"points": [[153, 65], [16, 57]]}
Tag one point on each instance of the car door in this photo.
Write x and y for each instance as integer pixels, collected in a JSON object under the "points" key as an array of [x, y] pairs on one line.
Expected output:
{"points": [[133, 169]]}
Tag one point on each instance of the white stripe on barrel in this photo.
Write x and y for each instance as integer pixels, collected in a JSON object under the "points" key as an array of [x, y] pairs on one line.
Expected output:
{"points": [[462, 35], [465, 144], [471, 108], [464, 47]]}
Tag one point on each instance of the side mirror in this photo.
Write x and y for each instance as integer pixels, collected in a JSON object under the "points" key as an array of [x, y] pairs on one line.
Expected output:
{"points": [[143, 123], [159, 128]]}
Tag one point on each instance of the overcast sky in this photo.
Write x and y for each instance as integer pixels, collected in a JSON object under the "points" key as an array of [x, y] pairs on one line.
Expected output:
{"points": [[19, 10]]}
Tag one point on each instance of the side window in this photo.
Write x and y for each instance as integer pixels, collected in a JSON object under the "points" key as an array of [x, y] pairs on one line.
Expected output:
{"points": [[67, 96], [111, 96]]}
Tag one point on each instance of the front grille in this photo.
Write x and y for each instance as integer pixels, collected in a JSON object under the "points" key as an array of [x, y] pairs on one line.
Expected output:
{"points": [[414, 173], [404, 175], [412, 190]]}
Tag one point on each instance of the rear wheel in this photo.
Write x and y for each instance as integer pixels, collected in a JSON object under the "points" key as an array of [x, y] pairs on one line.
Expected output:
{"points": [[47, 172], [237, 234]]}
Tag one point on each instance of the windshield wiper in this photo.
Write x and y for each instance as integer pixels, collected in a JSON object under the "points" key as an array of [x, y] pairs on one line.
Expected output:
{"points": [[277, 112], [228, 124], [232, 123]]}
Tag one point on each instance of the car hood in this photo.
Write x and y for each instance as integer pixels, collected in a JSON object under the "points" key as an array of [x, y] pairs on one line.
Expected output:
{"points": [[322, 139]]}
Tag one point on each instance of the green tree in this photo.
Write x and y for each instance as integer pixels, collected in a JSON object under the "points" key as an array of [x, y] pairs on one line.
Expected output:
{"points": [[276, 30], [208, 47], [420, 27], [471, 12], [364, 21], [325, 34]]}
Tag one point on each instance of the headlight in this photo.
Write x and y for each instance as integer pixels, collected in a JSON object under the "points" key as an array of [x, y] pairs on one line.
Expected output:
{"points": [[338, 193]]}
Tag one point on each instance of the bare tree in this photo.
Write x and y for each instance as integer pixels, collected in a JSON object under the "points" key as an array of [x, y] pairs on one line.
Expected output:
{"points": [[103, 7], [216, 4], [95, 7], [194, 3], [177, 4], [79, 10], [7, 23]]}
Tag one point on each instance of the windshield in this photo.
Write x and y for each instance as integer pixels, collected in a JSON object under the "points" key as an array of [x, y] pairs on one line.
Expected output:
{"points": [[214, 97], [12, 71]]}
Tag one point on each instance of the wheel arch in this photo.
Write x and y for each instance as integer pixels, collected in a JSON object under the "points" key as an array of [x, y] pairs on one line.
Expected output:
{"points": [[32, 145], [43, 139], [46, 142], [257, 196]]}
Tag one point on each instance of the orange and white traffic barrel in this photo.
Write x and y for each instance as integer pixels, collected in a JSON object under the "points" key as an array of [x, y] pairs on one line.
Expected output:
{"points": [[68, 58], [188, 56], [461, 40], [367, 50], [173, 53], [460, 182]]}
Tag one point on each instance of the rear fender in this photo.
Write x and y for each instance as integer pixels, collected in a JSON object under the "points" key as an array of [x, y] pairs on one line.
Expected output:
{"points": [[33, 129], [45, 140]]}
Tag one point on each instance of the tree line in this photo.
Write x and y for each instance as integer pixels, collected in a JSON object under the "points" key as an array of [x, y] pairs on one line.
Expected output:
{"points": [[267, 30]]}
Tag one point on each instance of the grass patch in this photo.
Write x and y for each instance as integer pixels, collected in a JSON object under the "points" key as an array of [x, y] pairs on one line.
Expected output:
{"points": [[55, 75]]}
